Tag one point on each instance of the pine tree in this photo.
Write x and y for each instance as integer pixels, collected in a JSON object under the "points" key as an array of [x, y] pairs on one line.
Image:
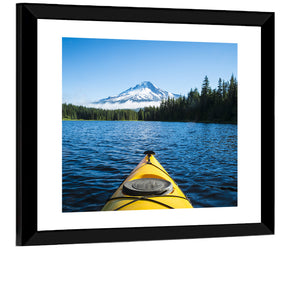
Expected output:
{"points": [[206, 90], [220, 89]]}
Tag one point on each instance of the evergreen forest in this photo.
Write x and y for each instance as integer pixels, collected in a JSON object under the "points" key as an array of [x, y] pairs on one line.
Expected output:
{"points": [[217, 105]]}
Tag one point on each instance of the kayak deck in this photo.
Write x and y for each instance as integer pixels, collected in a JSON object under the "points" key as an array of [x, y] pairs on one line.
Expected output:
{"points": [[148, 186]]}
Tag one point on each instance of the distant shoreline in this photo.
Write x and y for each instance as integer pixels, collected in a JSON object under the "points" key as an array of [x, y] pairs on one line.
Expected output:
{"points": [[206, 122]]}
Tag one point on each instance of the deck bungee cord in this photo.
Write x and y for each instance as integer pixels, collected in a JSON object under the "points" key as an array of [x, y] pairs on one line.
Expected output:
{"points": [[146, 199]]}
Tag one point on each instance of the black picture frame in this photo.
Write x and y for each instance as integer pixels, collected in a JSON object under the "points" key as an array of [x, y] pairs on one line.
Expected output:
{"points": [[27, 153]]}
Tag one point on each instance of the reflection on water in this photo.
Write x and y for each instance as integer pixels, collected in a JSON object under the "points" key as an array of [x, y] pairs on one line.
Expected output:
{"points": [[99, 155]]}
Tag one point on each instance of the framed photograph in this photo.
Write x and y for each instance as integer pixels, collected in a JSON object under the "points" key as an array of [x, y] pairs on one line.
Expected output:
{"points": [[138, 124]]}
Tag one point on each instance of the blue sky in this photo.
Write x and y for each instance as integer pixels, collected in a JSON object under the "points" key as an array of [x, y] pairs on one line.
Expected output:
{"points": [[97, 68]]}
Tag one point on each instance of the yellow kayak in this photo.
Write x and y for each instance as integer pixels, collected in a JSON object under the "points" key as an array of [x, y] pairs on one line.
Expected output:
{"points": [[148, 186]]}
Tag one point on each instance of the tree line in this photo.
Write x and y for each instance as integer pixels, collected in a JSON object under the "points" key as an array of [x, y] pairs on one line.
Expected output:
{"points": [[74, 112], [207, 105]]}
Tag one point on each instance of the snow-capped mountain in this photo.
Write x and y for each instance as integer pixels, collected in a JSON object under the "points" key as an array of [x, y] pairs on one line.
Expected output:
{"points": [[142, 95]]}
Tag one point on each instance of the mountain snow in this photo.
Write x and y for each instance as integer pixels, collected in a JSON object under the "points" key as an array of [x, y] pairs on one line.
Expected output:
{"points": [[142, 95]]}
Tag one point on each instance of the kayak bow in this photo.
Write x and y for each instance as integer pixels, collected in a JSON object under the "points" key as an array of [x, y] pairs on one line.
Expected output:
{"points": [[148, 186]]}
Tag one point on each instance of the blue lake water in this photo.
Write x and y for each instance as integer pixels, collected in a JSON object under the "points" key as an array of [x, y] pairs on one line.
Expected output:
{"points": [[99, 155]]}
